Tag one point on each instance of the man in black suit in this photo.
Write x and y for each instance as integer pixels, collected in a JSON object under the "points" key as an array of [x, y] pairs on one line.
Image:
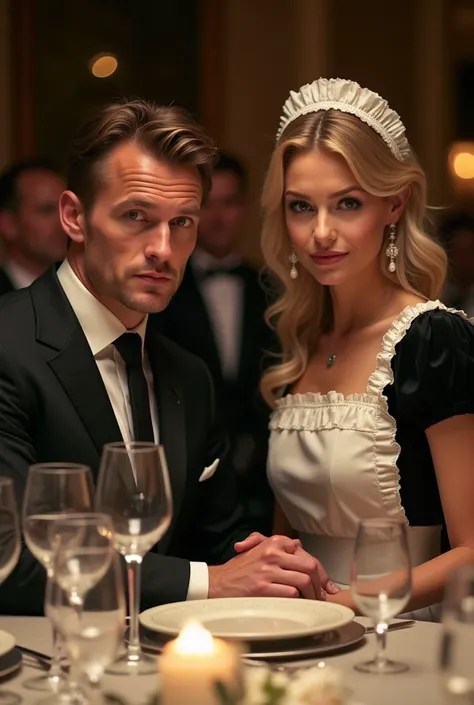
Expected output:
{"points": [[29, 222], [218, 314], [75, 345]]}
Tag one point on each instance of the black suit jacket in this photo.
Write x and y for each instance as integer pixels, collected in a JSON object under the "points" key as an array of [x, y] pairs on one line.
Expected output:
{"points": [[6, 284], [186, 321], [54, 407]]}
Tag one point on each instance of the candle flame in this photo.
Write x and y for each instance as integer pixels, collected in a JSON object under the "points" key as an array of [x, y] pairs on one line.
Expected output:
{"points": [[194, 639]]}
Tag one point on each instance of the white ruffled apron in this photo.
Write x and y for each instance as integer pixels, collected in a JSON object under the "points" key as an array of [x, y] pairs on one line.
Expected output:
{"points": [[333, 461]]}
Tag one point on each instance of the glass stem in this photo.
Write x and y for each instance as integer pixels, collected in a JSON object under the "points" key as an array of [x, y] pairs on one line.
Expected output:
{"points": [[74, 678], [381, 643], [133, 578], [96, 696], [55, 670], [77, 605]]}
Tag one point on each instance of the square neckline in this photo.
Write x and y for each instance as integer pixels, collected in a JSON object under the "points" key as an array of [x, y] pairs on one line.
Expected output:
{"points": [[382, 375]]}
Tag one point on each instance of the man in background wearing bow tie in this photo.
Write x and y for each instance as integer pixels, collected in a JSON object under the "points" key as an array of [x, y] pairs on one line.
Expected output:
{"points": [[218, 314]]}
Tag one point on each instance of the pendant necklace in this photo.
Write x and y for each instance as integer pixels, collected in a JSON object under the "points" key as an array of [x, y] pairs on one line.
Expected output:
{"points": [[331, 361]]}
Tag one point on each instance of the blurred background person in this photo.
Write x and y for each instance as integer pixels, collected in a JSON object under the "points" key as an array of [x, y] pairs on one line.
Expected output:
{"points": [[218, 314], [30, 229], [458, 238]]}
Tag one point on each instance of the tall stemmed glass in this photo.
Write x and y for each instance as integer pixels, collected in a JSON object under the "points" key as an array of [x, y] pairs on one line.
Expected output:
{"points": [[381, 582], [10, 544], [92, 638], [52, 490], [134, 489], [457, 641], [83, 552]]}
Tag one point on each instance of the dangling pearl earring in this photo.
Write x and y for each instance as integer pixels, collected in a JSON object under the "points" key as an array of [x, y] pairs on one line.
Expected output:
{"points": [[293, 259], [392, 249]]}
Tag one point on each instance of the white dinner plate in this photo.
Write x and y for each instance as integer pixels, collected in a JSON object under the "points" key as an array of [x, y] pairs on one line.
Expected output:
{"points": [[319, 645], [249, 618], [7, 642]]}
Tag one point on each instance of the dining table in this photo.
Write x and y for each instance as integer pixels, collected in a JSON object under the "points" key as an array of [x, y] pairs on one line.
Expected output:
{"points": [[418, 646]]}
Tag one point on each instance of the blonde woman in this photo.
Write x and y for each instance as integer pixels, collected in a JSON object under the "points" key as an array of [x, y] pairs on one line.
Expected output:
{"points": [[374, 394]]}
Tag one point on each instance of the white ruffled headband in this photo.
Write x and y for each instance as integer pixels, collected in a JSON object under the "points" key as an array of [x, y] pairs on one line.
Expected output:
{"points": [[348, 97]]}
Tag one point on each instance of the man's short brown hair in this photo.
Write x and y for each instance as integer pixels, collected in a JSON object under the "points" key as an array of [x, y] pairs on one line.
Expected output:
{"points": [[168, 133]]}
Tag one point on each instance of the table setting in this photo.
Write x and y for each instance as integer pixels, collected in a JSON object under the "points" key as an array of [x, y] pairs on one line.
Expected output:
{"points": [[419, 645], [221, 651]]}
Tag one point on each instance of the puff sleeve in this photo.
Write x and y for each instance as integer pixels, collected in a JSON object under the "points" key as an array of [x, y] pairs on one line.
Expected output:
{"points": [[434, 368]]}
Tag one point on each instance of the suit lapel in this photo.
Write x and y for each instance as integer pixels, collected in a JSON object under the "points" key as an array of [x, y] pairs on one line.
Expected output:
{"points": [[171, 418], [77, 371], [72, 361]]}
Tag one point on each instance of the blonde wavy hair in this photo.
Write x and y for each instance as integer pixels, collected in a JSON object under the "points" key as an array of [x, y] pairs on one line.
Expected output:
{"points": [[302, 310]]}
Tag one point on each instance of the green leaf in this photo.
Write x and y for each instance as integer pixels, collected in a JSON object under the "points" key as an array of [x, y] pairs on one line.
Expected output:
{"points": [[112, 699], [275, 693]]}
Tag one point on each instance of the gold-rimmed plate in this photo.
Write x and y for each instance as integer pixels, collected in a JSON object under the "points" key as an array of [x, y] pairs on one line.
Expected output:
{"points": [[249, 618], [345, 637]]}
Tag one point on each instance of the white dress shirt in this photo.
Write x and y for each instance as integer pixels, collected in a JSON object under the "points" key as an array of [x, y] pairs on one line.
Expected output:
{"points": [[101, 329], [223, 296]]}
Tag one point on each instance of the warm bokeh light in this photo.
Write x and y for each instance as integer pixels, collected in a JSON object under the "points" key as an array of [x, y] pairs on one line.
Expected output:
{"points": [[103, 65], [463, 165], [194, 639]]}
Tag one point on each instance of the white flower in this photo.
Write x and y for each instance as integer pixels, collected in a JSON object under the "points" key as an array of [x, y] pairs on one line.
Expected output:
{"points": [[316, 686], [312, 686], [255, 681]]}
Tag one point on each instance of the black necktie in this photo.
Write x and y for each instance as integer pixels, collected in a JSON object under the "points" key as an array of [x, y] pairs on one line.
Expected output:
{"points": [[129, 346]]}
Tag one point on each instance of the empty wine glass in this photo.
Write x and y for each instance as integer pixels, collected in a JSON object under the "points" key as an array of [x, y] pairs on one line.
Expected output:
{"points": [[95, 644], [381, 582], [134, 488], [52, 490], [457, 645], [10, 546], [89, 621], [82, 553]]}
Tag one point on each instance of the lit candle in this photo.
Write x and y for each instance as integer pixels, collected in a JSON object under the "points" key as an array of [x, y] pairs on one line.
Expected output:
{"points": [[192, 665]]}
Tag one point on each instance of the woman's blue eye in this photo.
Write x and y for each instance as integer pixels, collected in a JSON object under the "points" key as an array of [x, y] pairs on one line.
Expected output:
{"points": [[349, 204], [299, 206]]}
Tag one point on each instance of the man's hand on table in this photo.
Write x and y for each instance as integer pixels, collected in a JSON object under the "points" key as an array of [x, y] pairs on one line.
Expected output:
{"points": [[270, 567]]}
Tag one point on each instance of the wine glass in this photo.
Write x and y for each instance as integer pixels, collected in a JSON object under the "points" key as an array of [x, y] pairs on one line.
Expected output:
{"points": [[381, 582], [10, 546], [52, 490], [83, 554], [134, 488], [457, 645]]}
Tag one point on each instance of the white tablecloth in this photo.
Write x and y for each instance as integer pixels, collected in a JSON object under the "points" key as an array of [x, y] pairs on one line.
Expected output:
{"points": [[418, 646]]}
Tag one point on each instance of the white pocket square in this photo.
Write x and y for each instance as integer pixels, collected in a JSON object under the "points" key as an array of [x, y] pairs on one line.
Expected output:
{"points": [[209, 471]]}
